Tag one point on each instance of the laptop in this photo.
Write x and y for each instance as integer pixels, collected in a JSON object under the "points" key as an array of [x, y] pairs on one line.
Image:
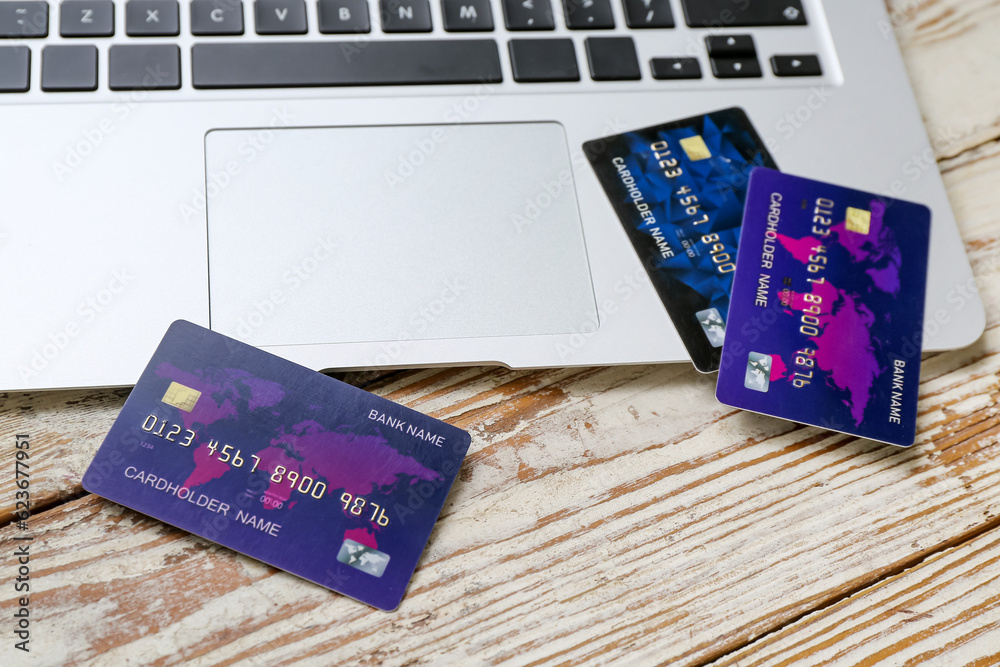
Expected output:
{"points": [[400, 183]]}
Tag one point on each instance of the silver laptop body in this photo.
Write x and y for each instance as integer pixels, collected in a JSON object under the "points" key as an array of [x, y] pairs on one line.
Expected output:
{"points": [[355, 216]]}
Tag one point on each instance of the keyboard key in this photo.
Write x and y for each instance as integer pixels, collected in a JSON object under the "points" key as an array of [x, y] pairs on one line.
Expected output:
{"points": [[69, 67], [528, 15], [648, 14], [612, 58], [588, 14], [467, 15], [152, 18], [144, 67], [343, 16], [730, 14], [15, 64], [537, 60], [280, 17], [24, 19], [730, 46], [405, 15], [87, 18], [344, 63], [216, 17], [675, 68], [735, 68], [804, 65]]}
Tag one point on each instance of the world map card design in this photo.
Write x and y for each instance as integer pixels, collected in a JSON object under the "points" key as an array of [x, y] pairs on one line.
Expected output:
{"points": [[825, 325], [289, 466]]}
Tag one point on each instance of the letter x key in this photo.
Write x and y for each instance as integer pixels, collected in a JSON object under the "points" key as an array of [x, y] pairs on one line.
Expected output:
{"points": [[151, 18]]}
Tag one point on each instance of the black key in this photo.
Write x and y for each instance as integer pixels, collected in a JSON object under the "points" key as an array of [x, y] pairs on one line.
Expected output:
{"points": [[343, 16], [216, 17], [536, 60], [467, 15], [588, 14], [675, 68], [742, 13], [735, 68], [280, 17], [344, 63], [24, 19], [152, 18], [648, 14], [528, 15], [144, 67], [730, 46], [612, 58], [15, 64], [87, 18], [405, 15], [69, 67], [804, 65]]}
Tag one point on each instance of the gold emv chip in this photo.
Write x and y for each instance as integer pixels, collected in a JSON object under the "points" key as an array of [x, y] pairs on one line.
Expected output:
{"points": [[695, 148], [859, 220], [181, 397]]}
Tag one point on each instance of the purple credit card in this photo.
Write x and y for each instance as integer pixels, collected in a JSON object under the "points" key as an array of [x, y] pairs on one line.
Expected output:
{"points": [[286, 465], [827, 310]]}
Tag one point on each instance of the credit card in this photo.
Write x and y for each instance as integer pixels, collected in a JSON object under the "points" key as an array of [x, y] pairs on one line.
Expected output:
{"points": [[826, 322], [678, 190], [283, 464]]}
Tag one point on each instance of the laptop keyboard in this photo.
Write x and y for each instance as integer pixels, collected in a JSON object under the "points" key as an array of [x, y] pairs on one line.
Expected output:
{"points": [[80, 46]]}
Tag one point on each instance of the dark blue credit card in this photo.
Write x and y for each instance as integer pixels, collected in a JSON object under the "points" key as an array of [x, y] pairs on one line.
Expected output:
{"points": [[826, 322], [289, 466], [678, 190]]}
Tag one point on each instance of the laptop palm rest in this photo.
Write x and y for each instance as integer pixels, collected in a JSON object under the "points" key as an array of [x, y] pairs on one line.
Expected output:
{"points": [[326, 235]]}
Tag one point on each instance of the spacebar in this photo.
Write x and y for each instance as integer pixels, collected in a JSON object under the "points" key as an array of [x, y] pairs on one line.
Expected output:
{"points": [[347, 63]]}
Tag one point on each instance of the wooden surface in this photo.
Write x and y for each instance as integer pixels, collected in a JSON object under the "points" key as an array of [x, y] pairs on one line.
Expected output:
{"points": [[610, 515]]}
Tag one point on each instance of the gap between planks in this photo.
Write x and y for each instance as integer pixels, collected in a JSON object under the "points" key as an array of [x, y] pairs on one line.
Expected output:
{"points": [[958, 541]]}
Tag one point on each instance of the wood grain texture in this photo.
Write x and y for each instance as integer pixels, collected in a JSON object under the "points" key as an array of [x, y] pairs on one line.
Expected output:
{"points": [[945, 611], [949, 42], [640, 522], [613, 515], [65, 429]]}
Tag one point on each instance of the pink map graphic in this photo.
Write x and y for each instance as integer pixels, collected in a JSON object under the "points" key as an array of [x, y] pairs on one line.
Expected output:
{"points": [[358, 464], [844, 347]]}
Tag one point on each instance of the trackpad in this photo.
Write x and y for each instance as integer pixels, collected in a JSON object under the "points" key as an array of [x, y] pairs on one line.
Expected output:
{"points": [[327, 235]]}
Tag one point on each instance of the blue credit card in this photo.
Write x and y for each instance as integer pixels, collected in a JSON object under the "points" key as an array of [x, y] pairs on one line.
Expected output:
{"points": [[289, 466], [678, 190], [827, 312]]}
